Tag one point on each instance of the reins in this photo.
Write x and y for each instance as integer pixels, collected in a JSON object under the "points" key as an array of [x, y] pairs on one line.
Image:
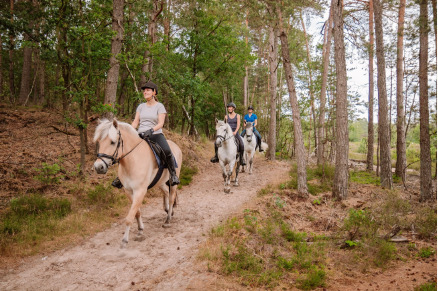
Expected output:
{"points": [[113, 158]]}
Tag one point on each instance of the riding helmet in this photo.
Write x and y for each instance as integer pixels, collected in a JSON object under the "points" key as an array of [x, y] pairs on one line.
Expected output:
{"points": [[150, 85], [231, 104], [250, 107]]}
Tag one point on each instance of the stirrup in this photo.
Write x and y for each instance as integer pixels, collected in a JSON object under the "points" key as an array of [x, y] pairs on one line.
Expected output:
{"points": [[116, 183], [214, 159]]}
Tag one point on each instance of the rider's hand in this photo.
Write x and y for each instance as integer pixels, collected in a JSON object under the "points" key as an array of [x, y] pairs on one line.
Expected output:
{"points": [[149, 132]]}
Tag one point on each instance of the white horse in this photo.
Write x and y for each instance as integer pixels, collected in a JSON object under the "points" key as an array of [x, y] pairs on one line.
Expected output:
{"points": [[118, 142], [250, 144], [227, 153]]}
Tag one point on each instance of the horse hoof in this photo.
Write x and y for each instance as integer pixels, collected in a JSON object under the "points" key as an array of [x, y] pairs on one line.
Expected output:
{"points": [[123, 244], [236, 184], [227, 190], [166, 225], [140, 238]]}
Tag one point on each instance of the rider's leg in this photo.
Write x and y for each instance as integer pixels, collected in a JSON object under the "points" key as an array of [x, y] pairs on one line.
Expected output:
{"points": [[241, 150], [243, 133], [259, 139], [161, 140], [215, 159]]}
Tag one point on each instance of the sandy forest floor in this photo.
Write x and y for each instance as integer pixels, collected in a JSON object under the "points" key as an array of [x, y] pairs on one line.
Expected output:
{"points": [[167, 258]]}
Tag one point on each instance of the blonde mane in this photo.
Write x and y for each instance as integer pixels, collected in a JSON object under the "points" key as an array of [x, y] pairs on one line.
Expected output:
{"points": [[104, 126]]}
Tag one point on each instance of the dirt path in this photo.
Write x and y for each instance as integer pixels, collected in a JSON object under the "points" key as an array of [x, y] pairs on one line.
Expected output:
{"points": [[165, 260]]}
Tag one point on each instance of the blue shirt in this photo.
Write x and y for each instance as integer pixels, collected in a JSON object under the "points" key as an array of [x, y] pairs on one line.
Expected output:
{"points": [[251, 118]]}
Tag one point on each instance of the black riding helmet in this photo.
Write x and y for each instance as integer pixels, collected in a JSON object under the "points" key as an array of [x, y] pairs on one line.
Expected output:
{"points": [[231, 104], [150, 85], [250, 107]]}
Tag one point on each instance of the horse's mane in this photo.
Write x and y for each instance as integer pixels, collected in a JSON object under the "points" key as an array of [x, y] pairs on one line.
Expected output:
{"points": [[102, 129], [223, 123]]}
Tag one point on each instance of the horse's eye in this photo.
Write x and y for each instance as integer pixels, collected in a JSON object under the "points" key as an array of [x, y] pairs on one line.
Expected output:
{"points": [[113, 143]]}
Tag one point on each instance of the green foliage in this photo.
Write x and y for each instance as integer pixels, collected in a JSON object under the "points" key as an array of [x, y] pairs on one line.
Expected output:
{"points": [[359, 223], [426, 252], [351, 243], [101, 196], [385, 252], [364, 177], [187, 174], [363, 147], [315, 278], [426, 222], [430, 286], [48, 174], [31, 211]]}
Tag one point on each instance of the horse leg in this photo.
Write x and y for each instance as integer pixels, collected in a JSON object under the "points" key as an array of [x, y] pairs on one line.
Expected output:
{"points": [[225, 176], [251, 162], [236, 181], [137, 198], [172, 198], [246, 158], [165, 189]]}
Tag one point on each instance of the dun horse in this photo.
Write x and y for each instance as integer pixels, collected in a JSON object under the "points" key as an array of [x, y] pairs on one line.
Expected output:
{"points": [[227, 153], [118, 142], [250, 143]]}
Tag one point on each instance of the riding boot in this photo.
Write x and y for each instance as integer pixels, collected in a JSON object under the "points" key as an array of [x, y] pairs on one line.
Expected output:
{"points": [[215, 159], [259, 144], [116, 183], [242, 160], [171, 166]]}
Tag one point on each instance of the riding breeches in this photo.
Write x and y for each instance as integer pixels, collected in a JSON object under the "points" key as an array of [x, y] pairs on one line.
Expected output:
{"points": [[162, 142], [257, 134], [240, 141]]}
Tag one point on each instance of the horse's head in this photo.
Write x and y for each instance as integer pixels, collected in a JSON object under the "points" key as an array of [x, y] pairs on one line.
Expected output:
{"points": [[108, 139], [223, 132], [249, 129]]}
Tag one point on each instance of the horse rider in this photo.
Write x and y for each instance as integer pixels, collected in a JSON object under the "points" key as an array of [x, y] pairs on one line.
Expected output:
{"points": [[233, 119], [149, 118], [252, 117]]}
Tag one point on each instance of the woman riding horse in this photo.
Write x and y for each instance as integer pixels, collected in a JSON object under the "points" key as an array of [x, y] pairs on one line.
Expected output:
{"points": [[149, 118], [252, 117], [233, 119]]}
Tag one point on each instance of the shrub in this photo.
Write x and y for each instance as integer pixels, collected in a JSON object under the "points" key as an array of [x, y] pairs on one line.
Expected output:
{"points": [[48, 174], [359, 224]]}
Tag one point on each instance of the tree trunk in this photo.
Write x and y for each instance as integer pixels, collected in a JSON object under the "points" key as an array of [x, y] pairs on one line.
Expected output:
{"points": [[312, 97], [340, 183], [152, 32], [400, 165], [370, 150], [25, 73], [245, 79], [273, 60], [1, 71], [298, 134], [322, 98], [385, 146], [11, 58], [116, 48], [434, 22], [426, 192]]}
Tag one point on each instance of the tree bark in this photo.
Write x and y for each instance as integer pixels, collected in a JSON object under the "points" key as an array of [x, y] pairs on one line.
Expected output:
{"points": [[25, 73], [385, 147], [370, 150], [152, 32], [340, 183], [273, 60], [116, 48], [11, 58], [298, 134], [400, 165], [434, 22], [322, 98], [426, 192], [1, 66]]}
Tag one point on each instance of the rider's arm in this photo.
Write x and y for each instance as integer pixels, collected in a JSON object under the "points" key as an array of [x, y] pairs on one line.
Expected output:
{"points": [[238, 124], [160, 124], [255, 122], [136, 121]]}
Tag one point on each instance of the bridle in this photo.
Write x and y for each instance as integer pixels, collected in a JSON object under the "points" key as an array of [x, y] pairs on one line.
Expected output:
{"points": [[223, 138], [113, 157]]}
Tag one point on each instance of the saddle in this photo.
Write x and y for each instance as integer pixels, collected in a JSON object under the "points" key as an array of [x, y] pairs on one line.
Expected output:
{"points": [[160, 157]]}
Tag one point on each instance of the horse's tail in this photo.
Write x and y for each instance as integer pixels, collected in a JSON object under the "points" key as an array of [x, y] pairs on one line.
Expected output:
{"points": [[264, 146]]}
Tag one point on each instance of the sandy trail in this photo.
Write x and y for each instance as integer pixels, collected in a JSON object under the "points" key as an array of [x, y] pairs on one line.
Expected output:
{"points": [[165, 259]]}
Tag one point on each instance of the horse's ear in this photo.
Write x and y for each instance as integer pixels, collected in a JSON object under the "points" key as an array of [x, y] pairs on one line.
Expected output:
{"points": [[215, 120], [115, 123], [225, 120]]}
